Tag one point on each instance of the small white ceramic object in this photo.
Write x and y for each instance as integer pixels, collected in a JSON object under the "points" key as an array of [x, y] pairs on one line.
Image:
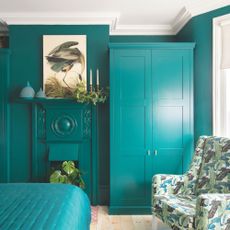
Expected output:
{"points": [[40, 94], [27, 92]]}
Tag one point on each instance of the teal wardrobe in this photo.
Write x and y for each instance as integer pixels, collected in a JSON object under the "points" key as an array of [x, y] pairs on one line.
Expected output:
{"points": [[151, 117]]}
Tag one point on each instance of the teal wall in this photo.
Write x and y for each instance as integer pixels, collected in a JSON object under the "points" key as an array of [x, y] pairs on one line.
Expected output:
{"points": [[26, 64], [128, 38], [199, 30]]}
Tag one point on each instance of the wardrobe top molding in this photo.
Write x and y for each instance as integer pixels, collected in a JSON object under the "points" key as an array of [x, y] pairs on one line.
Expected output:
{"points": [[155, 45]]}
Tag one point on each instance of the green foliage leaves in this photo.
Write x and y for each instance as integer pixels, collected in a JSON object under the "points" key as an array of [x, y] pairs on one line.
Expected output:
{"points": [[57, 177], [68, 174], [80, 94], [68, 167]]}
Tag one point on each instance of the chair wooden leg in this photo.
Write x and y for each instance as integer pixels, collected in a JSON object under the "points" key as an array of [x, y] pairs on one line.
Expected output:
{"points": [[154, 223]]}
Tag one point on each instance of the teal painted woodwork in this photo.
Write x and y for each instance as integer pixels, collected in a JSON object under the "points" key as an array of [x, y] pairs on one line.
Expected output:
{"points": [[199, 30], [70, 150], [61, 130], [151, 91], [4, 115], [172, 97], [139, 38], [26, 65], [130, 92]]}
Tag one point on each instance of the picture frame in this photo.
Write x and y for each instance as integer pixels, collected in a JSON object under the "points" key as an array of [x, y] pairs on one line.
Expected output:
{"points": [[64, 63]]}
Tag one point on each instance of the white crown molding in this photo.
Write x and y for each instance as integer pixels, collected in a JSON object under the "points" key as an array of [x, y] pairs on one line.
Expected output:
{"points": [[181, 19], [52, 18], [142, 30], [191, 9]]}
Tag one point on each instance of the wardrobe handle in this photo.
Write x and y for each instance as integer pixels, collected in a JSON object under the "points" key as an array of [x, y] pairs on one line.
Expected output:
{"points": [[155, 152], [148, 152]]}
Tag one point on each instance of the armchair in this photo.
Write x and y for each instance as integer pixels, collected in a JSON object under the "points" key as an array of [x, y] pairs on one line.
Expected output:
{"points": [[199, 199]]}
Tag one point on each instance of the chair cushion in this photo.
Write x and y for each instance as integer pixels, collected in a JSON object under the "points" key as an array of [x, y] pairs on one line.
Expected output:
{"points": [[178, 211], [214, 176]]}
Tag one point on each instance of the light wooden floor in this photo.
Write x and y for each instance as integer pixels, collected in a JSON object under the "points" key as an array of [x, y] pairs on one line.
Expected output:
{"points": [[123, 222]]}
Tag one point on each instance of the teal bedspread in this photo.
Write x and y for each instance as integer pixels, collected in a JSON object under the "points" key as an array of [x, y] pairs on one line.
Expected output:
{"points": [[43, 206]]}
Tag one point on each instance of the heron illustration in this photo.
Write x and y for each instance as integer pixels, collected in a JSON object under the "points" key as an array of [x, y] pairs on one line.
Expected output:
{"points": [[64, 57]]}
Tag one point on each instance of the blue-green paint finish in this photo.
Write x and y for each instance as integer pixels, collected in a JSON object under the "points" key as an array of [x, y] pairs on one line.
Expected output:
{"points": [[199, 30], [130, 84], [63, 152], [151, 114], [61, 130], [155, 45], [26, 64], [4, 115], [172, 97], [135, 39]]}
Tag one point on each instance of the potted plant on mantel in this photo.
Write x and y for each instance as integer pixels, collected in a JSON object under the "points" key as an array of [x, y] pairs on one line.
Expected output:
{"points": [[79, 94], [67, 174]]}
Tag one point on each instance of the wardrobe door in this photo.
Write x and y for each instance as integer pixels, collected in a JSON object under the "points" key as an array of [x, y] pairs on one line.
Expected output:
{"points": [[131, 122], [172, 110]]}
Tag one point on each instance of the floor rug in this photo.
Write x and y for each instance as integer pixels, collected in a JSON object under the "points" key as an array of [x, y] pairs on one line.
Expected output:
{"points": [[94, 214]]}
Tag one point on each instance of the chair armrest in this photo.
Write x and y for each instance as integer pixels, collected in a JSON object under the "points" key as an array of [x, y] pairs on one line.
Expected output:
{"points": [[167, 184], [213, 211]]}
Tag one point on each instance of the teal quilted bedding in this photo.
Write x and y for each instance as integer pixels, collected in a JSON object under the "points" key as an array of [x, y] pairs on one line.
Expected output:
{"points": [[43, 206]]}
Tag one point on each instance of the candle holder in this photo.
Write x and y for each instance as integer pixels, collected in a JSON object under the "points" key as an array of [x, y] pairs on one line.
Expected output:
{"points": [[97, 88], [90, 88]]}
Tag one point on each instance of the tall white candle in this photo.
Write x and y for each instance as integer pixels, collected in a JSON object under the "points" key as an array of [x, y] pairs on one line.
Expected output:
{"points": [[98, 77], [90, 77]]}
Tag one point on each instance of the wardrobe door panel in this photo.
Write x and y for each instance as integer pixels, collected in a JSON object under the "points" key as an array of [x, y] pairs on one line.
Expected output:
{"points": [[170, 126], [172, 110], [170, 73], [132, 129], [131, 117], [130, 186]]}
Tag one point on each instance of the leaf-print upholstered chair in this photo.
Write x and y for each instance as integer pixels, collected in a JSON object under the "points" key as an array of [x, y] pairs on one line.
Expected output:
{"points": [[199, 199]]}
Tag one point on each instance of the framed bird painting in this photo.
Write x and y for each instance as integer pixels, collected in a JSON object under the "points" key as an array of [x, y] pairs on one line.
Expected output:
{"points": [[64, 64]]}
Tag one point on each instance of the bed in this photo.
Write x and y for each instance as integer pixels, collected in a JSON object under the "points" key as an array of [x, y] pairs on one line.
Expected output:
{"points": [[43, 206]]}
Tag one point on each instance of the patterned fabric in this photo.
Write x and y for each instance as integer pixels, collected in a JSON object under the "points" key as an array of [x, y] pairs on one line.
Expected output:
{"points": [[167, 184], [175, 210], [192, 175], [215, 170], [185, 184], [182, 201], [213, 212]]}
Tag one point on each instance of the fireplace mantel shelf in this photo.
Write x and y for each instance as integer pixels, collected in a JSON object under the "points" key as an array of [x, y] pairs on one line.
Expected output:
{"points": [[49, 101]]}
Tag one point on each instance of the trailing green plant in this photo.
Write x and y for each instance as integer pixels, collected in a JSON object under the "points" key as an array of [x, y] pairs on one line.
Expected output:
{"points": [[80, 94], [68, 174]]}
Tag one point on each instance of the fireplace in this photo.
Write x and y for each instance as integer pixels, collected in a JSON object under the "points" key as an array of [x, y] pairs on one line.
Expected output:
{"points": [[62, 130]]}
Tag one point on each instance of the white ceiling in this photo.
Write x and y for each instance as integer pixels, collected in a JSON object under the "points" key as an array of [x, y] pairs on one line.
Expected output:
{"points": [[125, 17]]}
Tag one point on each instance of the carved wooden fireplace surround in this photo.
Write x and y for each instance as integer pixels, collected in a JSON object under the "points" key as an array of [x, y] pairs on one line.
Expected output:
{"points": [[64, 130]]}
